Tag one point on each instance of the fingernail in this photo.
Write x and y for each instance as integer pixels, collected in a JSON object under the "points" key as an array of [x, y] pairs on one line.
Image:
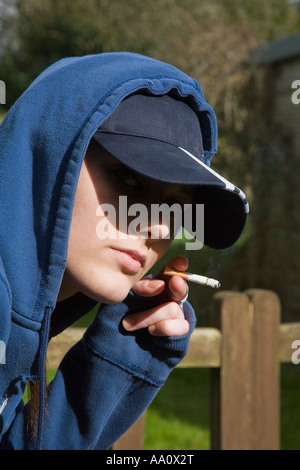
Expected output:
{"points": [[128, 323], [151, 329], [155, 285]]}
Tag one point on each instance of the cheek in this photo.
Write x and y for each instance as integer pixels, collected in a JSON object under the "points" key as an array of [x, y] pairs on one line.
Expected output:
{"points": [[158, 250], [102, 283], [82, 237]]}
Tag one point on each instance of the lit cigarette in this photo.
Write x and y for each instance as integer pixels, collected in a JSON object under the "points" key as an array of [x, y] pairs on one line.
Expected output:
{"points": [[205, 281]]}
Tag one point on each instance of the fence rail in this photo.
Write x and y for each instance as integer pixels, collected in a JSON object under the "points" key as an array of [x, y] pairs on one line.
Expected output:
{"points": [[244, 349]]}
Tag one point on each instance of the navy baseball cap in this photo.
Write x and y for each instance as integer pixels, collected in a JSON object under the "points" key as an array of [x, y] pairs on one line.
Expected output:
{"points": [[160, 137]]}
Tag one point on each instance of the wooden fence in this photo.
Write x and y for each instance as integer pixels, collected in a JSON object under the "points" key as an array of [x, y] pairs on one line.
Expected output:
{"points": [[244, 349]]}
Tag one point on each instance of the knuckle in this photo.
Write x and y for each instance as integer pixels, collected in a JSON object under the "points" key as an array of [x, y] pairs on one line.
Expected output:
{"points": [[174, 310]]}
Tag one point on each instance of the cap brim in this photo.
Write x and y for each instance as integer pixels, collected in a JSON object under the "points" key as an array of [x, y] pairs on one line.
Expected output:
{"points": [[225, 216], [225, 206]]}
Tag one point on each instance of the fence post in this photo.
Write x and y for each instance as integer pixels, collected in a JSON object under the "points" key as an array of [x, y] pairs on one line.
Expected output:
{"points": [[265, 369], [231, 383], [245, 390], [133, 439]]}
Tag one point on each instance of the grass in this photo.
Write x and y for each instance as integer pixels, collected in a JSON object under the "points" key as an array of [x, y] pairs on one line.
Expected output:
{"points": [[178, 418], [290, 406]]}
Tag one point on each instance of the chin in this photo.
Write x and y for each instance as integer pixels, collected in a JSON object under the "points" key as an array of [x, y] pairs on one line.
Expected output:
{"points": [[110, 295]]}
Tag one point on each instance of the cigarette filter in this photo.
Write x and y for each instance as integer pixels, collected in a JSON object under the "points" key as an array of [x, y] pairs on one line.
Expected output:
{"points": [[197, 278]]}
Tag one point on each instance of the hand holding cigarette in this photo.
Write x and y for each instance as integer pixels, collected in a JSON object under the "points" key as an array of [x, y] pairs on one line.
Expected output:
{"points": [[166, 317], [198, 279]]}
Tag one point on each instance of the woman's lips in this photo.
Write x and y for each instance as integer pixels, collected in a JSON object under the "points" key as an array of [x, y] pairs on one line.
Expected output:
{"points": [[132, 261]]}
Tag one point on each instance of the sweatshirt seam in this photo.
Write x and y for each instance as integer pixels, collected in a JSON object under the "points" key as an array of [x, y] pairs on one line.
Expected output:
{"points": [[148, 85], [134, 371], [33, 325]]}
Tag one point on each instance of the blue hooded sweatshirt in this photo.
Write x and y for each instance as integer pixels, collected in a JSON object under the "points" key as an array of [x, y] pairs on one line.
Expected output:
{"points": [[106, 381]]}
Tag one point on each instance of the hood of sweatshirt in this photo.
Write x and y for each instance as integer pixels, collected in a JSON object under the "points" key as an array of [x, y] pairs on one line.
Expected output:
{"points": [[44, 138]]}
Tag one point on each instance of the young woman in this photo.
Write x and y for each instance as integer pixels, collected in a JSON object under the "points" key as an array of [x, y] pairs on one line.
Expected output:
{"points": [[91, 134]]}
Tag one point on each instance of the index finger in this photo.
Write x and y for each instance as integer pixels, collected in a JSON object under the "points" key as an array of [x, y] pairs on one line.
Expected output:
{"points": [[176, 288], [180, 263]]}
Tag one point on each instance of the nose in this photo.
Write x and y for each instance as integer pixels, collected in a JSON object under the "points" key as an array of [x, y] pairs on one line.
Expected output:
{"points": [[156, 232], [155, 223]]}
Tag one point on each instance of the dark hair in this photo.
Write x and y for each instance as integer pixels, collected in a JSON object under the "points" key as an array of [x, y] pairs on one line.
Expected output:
{"points": [[33, 408]]}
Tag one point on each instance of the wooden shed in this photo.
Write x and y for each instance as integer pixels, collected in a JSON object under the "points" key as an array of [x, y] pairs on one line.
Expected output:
{"points": [[281, 58]]}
